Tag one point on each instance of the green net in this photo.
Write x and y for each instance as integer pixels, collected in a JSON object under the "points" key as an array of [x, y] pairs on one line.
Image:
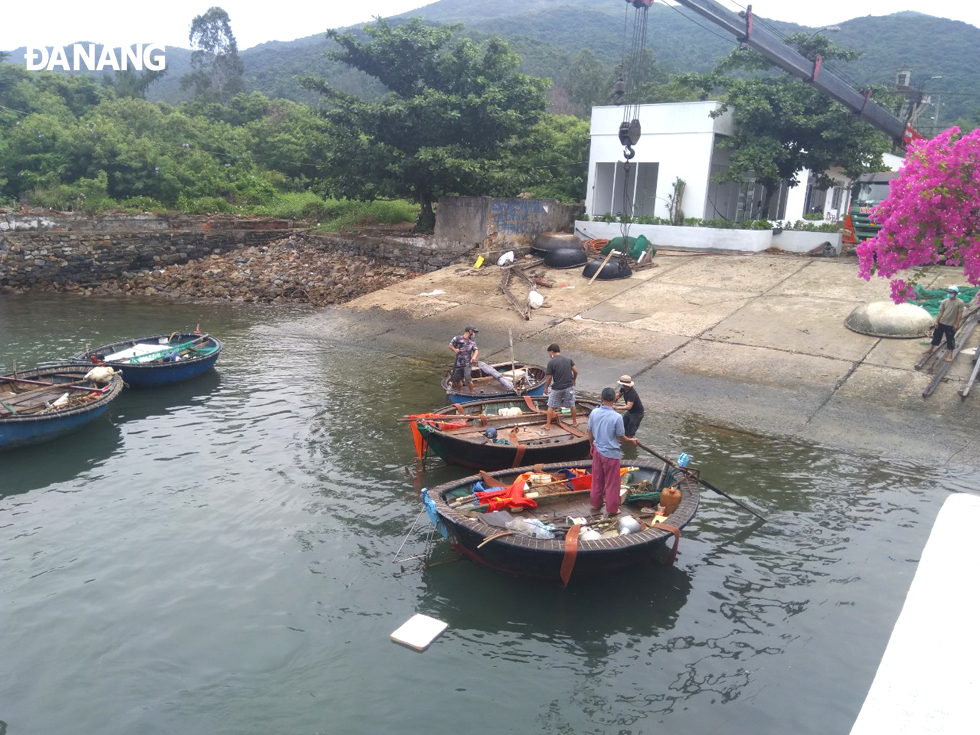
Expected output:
{"points": [[634, 246], [930, 298]]}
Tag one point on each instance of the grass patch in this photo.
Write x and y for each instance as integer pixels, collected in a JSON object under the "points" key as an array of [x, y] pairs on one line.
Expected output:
{"points": [[333, 215]]}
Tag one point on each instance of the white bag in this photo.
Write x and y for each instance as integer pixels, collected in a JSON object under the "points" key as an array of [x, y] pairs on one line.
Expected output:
{"points": [[506, 258], [534, 300]]}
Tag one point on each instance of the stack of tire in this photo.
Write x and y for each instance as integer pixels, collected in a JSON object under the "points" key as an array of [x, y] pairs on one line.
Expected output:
{"points": [[559, 249]]}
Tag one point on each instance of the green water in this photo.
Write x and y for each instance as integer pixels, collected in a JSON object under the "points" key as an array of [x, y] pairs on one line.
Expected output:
{"points": [[216, 557]]}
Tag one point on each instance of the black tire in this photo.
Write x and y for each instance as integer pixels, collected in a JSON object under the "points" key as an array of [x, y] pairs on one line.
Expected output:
{"points": [[565, 258], [548, 241], [615, 269]]}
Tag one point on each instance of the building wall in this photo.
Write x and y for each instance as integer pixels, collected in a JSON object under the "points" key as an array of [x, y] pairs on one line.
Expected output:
{"points": [[464, 223], [680, 138]]}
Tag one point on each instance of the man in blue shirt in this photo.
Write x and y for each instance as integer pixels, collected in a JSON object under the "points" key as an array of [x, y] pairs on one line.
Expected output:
{"points": [[606, 433]]}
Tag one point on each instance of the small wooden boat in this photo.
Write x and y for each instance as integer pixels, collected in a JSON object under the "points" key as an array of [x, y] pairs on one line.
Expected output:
{"points": [[37, 405], [161, 359], [517, 542], [523, 379], [459, 434]]}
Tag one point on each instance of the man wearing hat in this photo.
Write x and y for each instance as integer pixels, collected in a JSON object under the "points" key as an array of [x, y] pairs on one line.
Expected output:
{"points": [[466, 351], [634, 406], [606, 434], [948, 321]]}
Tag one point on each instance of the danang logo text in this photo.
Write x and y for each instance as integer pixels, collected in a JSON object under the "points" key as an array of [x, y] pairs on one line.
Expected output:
{"points": [[86, 57]]}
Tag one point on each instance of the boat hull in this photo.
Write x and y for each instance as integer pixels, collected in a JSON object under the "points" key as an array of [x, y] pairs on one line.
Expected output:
{"points": [[25, 430], [477, 453], [488, 388], [525, 556], [155, 374]]}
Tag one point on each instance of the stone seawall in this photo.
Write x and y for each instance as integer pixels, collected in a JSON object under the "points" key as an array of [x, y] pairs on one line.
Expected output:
{"points": [[31, 257]]}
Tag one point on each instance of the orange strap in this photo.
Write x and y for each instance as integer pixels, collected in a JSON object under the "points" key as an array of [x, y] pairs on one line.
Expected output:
{"points": [[571, 551], [519, 457], [677, 539], [570, 429], [530, 405], [459, 408]]}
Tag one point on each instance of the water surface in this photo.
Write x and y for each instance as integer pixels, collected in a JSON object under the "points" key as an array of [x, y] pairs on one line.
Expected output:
{"points": [[216, 557]]}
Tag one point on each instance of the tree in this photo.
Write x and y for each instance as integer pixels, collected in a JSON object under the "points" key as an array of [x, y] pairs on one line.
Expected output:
{"points": [[218, 70], [931, 215], [783, 125], [128, 83], [453, 112], [587, 83], [553, 160]]}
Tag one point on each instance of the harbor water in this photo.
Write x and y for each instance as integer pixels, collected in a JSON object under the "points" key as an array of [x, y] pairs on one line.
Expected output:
{"points": [[216, 557]]}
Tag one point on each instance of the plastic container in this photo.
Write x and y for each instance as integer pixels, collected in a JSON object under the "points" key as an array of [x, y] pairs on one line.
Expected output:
{"points": [[684, 460], [670, 498]]}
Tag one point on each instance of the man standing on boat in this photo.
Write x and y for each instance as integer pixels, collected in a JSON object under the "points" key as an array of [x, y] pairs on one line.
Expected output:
{"points": [[560, 376], [634, 406], [466, 351], [606, 432]]}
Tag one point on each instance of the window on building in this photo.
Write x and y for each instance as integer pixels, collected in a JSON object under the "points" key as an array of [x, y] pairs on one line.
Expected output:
{"points": [[614, 193]]}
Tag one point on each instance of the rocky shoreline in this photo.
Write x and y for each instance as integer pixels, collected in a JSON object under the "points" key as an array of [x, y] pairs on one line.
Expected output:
{"points": [[293, 270]]}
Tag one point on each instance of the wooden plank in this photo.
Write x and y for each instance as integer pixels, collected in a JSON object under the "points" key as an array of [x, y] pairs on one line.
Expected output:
{"points": [[973, 376]]}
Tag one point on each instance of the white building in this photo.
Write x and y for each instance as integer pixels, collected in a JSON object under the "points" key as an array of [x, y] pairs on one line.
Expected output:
{"points": [[680, 140]]}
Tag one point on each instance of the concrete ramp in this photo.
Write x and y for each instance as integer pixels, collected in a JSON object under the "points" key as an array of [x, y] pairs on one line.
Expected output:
{"points": [[929, 678]]}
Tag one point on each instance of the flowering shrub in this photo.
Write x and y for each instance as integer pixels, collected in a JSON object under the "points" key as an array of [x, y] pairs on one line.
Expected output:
{"points": [[931, 215]]}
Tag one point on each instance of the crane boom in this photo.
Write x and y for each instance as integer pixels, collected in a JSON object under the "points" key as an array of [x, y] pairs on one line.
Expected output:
{"points": [[758, 38]]}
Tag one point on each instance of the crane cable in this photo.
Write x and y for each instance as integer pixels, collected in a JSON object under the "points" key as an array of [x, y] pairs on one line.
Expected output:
{"points": [[627, 88]]}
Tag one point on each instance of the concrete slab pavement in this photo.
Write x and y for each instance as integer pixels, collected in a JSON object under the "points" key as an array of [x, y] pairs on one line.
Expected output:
{"points": [[752, 343]]}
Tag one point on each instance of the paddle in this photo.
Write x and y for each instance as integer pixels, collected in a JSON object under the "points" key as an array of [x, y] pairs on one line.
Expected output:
{"points": [[703, 482]]}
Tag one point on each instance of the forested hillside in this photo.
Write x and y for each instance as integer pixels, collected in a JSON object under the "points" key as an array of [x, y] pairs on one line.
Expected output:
{"points": [[549, 34]]}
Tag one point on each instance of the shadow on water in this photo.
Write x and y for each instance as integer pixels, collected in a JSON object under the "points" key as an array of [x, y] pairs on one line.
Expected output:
{"points": [[135, 404], [60, 460]]}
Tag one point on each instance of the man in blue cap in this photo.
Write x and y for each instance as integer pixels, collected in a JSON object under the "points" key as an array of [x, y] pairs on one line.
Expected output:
{"points": [[466, 351]]}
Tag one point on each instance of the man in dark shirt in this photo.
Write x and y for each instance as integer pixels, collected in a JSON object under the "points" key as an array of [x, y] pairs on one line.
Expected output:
{"points": [[560, 376], [634, 406]]}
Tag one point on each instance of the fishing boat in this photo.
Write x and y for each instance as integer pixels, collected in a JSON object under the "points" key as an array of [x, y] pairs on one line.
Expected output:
{"points": [[538, 522], [161, 359], [503, 432], [501, 380], [37, 405]]}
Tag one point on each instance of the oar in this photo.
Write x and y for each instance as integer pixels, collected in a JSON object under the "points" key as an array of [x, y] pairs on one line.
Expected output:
{"points": [[703, 482]]}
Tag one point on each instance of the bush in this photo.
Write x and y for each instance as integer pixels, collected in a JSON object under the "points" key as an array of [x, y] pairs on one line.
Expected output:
{"points": [[204, 205]]}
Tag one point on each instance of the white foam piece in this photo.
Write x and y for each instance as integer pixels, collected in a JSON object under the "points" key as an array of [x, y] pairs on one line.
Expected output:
{"points": [[419, 632], [928, 680], [136, 351]]}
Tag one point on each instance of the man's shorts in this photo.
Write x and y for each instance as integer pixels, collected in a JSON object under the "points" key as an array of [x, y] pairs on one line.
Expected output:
{"points": [[463, 373], [564, 398]]}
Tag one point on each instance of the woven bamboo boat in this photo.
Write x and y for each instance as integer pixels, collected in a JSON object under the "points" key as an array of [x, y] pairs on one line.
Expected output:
{"points": [[521, 437], [160, 359], [526, 380], [486, 538], [41, 404]]}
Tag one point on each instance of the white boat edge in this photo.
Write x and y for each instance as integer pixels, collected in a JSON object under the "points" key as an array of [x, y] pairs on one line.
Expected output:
{"points": [[928, 680]]}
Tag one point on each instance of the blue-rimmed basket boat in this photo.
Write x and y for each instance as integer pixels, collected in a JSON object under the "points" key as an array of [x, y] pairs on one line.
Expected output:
{"points": [[481, 537], [38, 405], [150, 361], [458, 434], [524, 379]]}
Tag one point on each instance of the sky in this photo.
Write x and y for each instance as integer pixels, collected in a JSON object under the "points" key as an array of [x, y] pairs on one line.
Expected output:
{"points": [[167, 22]]}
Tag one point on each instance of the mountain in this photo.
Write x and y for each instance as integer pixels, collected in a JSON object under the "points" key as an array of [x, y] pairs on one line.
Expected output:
{"points": [[550, 33]]}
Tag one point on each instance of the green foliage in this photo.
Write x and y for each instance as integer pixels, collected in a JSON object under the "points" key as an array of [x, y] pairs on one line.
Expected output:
{"points": [[454, 111], [783, 125], [332, 215], [217, 67], [552, 161]]}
